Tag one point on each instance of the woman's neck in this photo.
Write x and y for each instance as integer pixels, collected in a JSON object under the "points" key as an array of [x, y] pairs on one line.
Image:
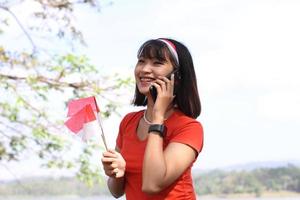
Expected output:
{"points": [[148, 111]]}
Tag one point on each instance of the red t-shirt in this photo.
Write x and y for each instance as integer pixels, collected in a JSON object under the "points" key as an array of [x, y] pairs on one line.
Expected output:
{"points": [[180, 128]]}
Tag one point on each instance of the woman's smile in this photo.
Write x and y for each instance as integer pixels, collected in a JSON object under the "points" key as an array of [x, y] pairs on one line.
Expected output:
{"points": [[144, 83]]}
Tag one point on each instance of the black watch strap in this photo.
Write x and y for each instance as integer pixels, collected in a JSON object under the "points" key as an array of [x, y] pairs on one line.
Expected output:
{"points": [[158, 128]]}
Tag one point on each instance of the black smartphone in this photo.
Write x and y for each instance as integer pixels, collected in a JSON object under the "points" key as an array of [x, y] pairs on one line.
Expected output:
{"points": [[153, 90]]}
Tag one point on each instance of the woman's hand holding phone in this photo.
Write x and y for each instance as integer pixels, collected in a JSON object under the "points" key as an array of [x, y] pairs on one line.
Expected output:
{"points": [[165, 95], [153, 90]]}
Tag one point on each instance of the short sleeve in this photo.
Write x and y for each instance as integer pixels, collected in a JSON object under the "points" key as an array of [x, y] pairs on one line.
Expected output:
{"points": [[191, 134]]}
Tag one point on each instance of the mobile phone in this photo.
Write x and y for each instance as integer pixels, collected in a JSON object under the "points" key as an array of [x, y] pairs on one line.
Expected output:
{"points": [[153, 90]]}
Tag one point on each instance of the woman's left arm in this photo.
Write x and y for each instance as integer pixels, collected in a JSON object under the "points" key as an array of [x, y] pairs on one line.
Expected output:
{"points": [[162, 167]]}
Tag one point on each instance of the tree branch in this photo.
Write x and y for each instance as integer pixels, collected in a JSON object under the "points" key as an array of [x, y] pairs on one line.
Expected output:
{"points": [[64, 3], [49, 81], [34, 48], [16, 131]]}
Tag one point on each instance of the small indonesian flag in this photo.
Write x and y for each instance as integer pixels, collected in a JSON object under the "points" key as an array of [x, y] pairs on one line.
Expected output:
{"points": [[76, 105], [84, 118]]}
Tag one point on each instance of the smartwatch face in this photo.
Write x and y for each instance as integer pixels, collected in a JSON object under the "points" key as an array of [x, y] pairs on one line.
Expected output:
{"points": [[159, 128]]}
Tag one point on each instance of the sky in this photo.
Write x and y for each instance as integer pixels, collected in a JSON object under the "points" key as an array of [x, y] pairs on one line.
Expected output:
{"points": [[246, 57]]}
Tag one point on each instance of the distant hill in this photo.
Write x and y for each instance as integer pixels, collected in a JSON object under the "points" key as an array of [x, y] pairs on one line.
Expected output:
{"points": [[251, 166], [255, 178], [265, 164]]}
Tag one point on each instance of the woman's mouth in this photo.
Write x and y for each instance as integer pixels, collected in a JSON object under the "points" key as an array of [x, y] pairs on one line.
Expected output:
{"points": [[146, 81]]}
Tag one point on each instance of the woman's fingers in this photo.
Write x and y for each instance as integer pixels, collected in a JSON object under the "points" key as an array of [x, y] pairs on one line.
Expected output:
{"points": [[116, 170], [107, 159], [120, 174], [164, 85], [110, 153], [161, 83], [169, 83], [109, 156], [110, 170], [113, 163]]}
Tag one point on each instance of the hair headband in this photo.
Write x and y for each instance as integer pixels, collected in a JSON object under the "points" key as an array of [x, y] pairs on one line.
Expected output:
{"points": [[172, 48]]}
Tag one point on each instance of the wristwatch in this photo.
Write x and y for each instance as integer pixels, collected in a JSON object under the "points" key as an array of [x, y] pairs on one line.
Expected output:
{"points": [[159, 129]]}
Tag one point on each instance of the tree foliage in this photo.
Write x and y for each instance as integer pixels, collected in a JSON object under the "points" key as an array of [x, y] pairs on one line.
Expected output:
{"points": [[36, 82], [250, 182]]}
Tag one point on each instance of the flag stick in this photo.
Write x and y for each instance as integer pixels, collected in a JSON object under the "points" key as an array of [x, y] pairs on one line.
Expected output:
{"points": [[102, 132]]}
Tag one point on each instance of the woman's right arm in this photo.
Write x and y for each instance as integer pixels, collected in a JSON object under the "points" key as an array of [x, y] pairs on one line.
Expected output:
{"points": [[116, 186], [114, 166]]}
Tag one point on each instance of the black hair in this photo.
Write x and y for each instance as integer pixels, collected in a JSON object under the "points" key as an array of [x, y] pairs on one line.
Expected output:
{"points": [[187, 96]]}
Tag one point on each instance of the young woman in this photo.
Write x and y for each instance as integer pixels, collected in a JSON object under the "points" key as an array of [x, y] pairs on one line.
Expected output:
{"points": [[157, 147]]}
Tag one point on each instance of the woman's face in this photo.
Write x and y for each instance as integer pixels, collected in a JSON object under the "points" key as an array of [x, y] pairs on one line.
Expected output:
{"points": [[147, 70]]}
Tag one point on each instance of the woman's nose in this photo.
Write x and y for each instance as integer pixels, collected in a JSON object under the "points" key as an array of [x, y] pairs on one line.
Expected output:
{"points": [[147, 67]]}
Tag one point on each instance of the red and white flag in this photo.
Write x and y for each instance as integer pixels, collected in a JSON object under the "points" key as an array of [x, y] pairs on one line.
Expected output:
{"points": [[77, 104], [84, 118]]}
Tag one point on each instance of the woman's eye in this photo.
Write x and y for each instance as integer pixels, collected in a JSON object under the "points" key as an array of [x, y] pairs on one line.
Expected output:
{"points": [[158, 63], [141, 61]]}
